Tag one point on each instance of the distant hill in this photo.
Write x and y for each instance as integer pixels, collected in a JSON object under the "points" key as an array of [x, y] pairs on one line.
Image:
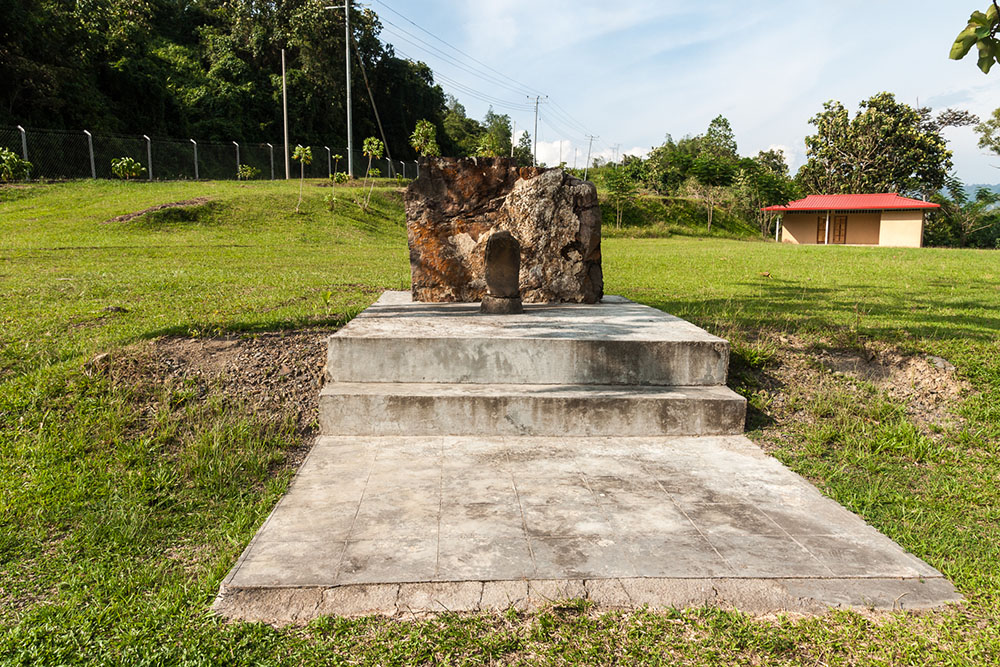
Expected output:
{"points": [[971, 189]]}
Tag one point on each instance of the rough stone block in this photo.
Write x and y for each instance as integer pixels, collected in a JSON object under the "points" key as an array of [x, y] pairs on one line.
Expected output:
{"points": [[456, 204]]}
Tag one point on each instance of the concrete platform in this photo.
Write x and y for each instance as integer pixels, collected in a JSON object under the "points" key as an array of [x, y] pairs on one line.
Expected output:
{"points": [[614, 342], [391, 408], [404, 525]]}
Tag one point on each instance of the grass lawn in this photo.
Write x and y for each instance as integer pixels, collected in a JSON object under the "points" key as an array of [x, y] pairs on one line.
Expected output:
{"points": [[124, 503]]}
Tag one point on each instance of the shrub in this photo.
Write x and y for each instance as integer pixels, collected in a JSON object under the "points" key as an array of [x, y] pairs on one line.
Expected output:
{"points": [[127, 168], [247, 172], [13, 168], [340, 177], [374, 172]]}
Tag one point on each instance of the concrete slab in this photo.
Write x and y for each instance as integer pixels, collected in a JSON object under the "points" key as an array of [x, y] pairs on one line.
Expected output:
{"points": [[390, 408], [465, 524], [613, 342]]}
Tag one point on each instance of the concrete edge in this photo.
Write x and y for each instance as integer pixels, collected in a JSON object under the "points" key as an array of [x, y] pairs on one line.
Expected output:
{"points": [[805, 596]]}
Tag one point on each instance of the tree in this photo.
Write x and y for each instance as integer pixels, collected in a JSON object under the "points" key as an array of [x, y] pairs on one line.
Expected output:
{"points": [[981, 32], [372, 148], [488, 146], [760, 182], [711, 174], [670, 163], [964, 216], [622, 190], [304, 156], [523, 155], [719, 139], [887, 147], [424, 139]]}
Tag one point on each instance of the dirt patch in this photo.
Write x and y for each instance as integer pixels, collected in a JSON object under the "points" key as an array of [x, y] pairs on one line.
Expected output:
{"points": [[269, 374], [928, 387], [197, 201]]}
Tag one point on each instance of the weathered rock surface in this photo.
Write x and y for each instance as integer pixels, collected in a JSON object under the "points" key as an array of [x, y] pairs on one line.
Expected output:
{"points": [[503, 270], [456, 204]]}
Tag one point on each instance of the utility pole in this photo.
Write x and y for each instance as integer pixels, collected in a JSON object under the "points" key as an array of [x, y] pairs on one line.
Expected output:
{"points": [[586, 166], [614, 153], [534, 157], [575, 150], [284, 106], [560, 152], [513, 136]]}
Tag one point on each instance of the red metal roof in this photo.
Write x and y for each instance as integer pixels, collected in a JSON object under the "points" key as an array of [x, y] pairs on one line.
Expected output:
{"points": [[888, 200]]}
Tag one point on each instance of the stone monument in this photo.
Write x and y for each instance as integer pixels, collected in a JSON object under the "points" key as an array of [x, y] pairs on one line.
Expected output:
{"points": [[502, 269], [455, 206]]}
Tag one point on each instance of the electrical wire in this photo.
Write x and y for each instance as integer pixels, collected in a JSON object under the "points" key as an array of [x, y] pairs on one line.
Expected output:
{"points": [[525, 88]]}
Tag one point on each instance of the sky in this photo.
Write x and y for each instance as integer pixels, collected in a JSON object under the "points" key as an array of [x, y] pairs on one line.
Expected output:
{"points": [[632, 71]]}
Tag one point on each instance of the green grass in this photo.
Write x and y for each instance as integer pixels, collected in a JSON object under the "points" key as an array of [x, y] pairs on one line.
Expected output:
{"points": [[122, 505]]}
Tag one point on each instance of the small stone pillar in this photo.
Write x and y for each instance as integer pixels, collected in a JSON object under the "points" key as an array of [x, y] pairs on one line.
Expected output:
{"points": [[503, 268]]}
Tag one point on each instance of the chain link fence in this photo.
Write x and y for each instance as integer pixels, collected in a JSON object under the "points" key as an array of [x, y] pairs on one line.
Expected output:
{"points": [[59, 154]]}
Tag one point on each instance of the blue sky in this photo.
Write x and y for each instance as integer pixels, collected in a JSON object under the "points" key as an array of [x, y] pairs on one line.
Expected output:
{"points": [[634, 70]]}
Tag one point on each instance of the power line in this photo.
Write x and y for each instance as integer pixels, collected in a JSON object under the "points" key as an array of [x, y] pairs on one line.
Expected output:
{"points": [[473, 92], [409, 37], [525, 87]]}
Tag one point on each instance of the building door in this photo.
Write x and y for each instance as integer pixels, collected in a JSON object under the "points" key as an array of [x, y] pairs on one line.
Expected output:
{"points": [[821, 230], [839, 231]]}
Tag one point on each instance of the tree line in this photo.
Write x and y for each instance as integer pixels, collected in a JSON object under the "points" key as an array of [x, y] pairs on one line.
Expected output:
{"points": [[211, 70]]}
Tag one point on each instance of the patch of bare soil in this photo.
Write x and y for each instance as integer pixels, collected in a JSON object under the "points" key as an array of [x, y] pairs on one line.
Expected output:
{"points": [[268, 374], [197, 201], [928, 387]]}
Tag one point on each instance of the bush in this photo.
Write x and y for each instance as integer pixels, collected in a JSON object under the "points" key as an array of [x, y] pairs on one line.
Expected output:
{"points": [[127, 168], [13, 168], [374, 172], [247, 172], [340, 177]]}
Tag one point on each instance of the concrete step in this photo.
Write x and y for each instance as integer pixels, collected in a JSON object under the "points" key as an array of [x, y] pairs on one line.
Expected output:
{"points": [[615, 342], [360, 408]]}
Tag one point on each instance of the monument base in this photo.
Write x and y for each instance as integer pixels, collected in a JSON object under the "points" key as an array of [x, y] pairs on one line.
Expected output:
{"points": [[497, 305]]}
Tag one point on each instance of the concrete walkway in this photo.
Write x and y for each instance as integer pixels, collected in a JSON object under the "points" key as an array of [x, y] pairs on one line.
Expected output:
{"points": [[390, 525]]}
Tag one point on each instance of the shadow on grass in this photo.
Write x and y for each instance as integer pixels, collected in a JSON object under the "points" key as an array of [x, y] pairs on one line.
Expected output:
{"points": [[864, 310]]}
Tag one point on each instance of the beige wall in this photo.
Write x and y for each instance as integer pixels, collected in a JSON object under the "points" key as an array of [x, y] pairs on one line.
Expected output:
{"points": [[799, 228], [902, 229], [863, 228]]}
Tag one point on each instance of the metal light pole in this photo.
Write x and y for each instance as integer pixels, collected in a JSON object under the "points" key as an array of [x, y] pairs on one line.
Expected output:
{"points": [[237, 160], [271, 148], [329, 162], [24, 143], [195, 143], [149, 156], [90, 149], [284, 106], [347, 65]]}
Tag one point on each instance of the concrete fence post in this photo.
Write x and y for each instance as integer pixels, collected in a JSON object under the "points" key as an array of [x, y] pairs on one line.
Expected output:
{"points": [[149, 156], [329, 162], [195, 143], [237, 160], [271, 149], [417, 162], [90, 149], [24, 143]]}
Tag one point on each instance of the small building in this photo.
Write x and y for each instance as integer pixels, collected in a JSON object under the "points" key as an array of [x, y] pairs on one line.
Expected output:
{"points": [[878, 219]]}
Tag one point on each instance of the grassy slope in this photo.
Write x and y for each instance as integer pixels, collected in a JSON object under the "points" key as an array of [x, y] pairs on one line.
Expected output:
{"points": [[116, 527]]}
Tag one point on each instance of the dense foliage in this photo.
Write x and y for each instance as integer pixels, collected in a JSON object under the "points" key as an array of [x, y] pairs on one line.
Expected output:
{"points": [[211, 69], [887, 146]]}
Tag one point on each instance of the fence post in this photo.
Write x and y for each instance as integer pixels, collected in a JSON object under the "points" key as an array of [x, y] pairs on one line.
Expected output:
{"points": [[271, 148], [329, 162], [24, 143], [237, 160], [90, 149], [195, 158], [149, 155], [417, 162]]}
